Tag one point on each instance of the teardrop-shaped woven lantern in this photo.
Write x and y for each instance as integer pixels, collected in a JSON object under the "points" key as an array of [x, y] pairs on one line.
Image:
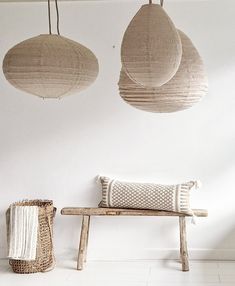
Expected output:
{"points": [[49, 65], [151, 48], [185, 89]]}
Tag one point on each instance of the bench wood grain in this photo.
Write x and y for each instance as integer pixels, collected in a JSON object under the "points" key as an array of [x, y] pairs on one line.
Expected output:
{"points": [[86, 213], [126, 212]]}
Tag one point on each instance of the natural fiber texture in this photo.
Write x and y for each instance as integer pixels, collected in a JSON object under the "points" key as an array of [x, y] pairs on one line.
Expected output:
{"points": [[151, 48], [119, 194], [45, 256], [185, 89], [50, 66]]}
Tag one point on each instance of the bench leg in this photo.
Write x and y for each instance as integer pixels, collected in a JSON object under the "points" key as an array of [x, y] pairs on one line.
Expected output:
{"points": [[183, 244], [87, 238], [83, 241]]}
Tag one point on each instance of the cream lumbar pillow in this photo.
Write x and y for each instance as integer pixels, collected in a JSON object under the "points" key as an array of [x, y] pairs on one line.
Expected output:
{"points": [[119, 194]]}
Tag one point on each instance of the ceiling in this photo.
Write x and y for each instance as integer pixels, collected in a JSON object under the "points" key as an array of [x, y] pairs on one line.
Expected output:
{"points": [[17, 1]]}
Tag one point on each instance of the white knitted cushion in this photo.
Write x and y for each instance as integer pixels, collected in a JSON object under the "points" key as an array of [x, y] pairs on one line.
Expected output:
{"points": [[120, 194]]}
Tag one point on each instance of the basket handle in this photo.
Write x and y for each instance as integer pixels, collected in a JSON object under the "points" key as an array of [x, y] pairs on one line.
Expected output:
{"points": [[54, 211], [51, 235]]}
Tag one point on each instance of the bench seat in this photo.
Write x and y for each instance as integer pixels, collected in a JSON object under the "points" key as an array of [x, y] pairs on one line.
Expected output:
{"points": [[86, 214]]}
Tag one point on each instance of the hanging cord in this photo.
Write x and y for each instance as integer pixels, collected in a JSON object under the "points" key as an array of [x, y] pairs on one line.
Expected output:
{"points": [[49, 16], [57, 15], [150, 1]]}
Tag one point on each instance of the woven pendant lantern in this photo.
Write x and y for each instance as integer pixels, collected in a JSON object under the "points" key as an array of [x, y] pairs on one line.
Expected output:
{"points": [[185, 89], [50, 65], [151, 49]]}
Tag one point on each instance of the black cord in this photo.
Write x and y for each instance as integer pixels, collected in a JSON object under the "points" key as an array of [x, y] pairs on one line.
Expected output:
{"points": [[58, 18], [162, 2], [49, 16]]}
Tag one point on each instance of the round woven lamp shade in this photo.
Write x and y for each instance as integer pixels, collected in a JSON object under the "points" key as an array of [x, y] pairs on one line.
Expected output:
{"points": [[50, 66], [185, 89], [151, 48]]}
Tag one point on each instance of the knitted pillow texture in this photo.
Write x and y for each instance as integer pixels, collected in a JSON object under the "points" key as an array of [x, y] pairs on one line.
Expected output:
{"points": [[119, 194]]}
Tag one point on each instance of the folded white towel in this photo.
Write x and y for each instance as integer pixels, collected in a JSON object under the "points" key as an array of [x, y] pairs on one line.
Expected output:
{"points": [[23, 232]]}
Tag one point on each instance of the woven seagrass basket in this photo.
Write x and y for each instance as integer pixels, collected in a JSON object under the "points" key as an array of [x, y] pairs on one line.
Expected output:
{"points": [[45, 260]]}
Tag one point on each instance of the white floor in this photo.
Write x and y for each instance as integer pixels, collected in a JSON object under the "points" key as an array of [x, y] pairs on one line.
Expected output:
{"points": [[132, 273]]}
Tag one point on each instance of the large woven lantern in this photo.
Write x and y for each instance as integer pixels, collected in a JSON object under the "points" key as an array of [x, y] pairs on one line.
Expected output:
{"points": [[151, 48], [50, 65], [185, 89]]}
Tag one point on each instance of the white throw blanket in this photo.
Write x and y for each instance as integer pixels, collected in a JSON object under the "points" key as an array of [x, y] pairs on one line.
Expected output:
{"points": [[23, 232]]}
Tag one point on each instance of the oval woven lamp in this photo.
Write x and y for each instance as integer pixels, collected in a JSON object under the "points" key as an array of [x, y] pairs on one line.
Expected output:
{"points": [[50, 65], [151, 49], [185, 89]]}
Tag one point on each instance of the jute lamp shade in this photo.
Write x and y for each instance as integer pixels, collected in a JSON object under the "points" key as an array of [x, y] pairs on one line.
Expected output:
{"points": [[185, 89], [151, 49], [50, 65]]}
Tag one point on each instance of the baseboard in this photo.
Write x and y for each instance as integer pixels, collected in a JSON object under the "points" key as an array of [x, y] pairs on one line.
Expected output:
{"points": [[117, 254]]}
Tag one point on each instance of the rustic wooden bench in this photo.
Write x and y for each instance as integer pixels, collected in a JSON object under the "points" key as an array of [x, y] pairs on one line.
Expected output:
{"points": [[86, 213]]}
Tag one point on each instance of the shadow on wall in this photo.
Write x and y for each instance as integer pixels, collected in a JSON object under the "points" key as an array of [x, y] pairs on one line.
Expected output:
{"points": [[225, 248], [3, 238]]}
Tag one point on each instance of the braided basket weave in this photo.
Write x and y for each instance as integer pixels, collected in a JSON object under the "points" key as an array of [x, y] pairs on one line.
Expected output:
{"points": [[45, 257]]}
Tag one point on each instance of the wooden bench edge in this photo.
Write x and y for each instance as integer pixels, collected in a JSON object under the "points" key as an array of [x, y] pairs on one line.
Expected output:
{"points": [[127, 212]]}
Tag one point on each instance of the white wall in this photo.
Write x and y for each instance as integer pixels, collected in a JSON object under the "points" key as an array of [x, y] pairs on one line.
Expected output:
{"points": [[54, 149]]}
